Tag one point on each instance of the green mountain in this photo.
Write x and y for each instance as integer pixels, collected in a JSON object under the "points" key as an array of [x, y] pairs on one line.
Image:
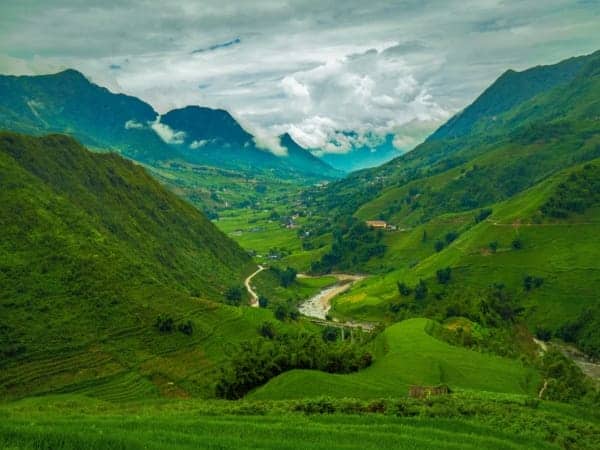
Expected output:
{"points": [[94, 251], [67, 102], [503, 195], [305, 160]]}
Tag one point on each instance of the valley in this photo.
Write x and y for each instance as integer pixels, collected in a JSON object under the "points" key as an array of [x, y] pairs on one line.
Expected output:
{"points": [[170, 280]]}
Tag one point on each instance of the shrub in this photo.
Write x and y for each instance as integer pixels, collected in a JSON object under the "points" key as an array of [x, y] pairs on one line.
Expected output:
{"points": [[186, 328], [403, 289], [421, 290], [165, 323], [483, 214], [267, 330], [233, 295], [451, 237], [330, 334], [444, 275], [530, 282]]}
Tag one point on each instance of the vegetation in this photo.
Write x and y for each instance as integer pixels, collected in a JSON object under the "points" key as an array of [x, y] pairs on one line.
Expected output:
{"points": [[257, 361]]}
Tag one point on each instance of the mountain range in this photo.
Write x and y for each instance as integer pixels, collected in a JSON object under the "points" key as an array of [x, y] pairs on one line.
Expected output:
{"points": [[505, 190], [67, 102]]}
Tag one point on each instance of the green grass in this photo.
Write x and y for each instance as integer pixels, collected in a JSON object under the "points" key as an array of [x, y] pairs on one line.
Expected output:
{"points": [[461, 421], [407, 355], [561, 251]]}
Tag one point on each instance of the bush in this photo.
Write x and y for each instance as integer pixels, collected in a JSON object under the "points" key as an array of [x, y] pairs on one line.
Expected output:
{"points": [[493, 246], [330, 334], [438, 246], [421, 290], [403, 289], [444, 275], [234, 294], [451, 237], [483, 214], [165, 323], [186, 328], [517, 243], [530, 282], [267, 330]]}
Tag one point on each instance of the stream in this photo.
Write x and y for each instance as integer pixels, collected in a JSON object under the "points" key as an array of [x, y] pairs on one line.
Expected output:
{"points": [[318, 305]]}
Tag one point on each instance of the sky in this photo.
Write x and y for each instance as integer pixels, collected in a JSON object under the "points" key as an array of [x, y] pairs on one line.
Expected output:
{"points": [[314, 69]]}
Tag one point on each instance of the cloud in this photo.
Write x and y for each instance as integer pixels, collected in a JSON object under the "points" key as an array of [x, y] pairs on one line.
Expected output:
{"points": [[315, 69], [198, 144], [166, 133], [133, 125]]}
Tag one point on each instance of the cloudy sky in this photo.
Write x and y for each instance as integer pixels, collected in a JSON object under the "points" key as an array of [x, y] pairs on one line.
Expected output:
{"points": [[313, 68]]}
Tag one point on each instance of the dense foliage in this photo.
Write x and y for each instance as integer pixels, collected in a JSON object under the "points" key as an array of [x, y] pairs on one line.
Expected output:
{"points": [[354, 243], [257, 361]]}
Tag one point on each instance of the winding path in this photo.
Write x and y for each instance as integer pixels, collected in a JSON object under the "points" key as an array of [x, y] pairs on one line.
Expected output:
{"points": [[253, 294]]}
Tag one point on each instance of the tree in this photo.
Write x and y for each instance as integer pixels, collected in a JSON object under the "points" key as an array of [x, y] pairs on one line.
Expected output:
{"points": [[424, 237], [403, 289], [186, 328], [330, 334], [421, 290], [517, 244], [493, 246], [263, 302], [438, 246], [165, 323], [267, 329], [443, 275], [530, 282], [233, 295], [451, 236]]}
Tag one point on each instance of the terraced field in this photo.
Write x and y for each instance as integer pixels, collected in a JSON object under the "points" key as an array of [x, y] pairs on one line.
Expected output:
{"points": [[291, 432], [557, 250], [139, 363], [462, 421], [408, 356]]}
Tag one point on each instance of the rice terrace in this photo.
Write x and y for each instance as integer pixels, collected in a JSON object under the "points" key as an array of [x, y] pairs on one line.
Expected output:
{"points": [[299, 225]]}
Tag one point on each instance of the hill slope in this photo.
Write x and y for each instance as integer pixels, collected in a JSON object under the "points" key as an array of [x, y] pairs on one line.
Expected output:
{"points": [[67, 102], [412, 357], [93, 247]]}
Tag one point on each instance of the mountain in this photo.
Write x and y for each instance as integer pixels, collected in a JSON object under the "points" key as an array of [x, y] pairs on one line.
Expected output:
{"points": [[67, 102], [523, 145], [501, 194], [511, 89], [94, 252], [302, 158], [363, 157]]}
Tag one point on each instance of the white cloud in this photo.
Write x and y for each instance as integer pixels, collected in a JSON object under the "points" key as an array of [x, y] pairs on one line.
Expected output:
{"points": [[294, 88], [132, 125], [198, 144], [166, 133], [312, 68]]}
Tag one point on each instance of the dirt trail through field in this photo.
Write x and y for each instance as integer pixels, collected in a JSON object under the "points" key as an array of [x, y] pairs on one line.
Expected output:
{"points": [[253, 294]]}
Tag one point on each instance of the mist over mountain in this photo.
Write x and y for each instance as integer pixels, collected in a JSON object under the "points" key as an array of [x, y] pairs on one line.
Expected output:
{"points": [[67, 102]]}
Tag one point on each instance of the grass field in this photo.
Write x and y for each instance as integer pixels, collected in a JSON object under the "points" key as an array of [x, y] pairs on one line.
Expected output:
{"points": [[407, 355], [140, 363], [491, 421], [558, 250]]}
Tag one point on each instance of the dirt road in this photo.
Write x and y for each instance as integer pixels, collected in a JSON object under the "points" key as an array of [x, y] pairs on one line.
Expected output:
{"points": [[253, 294]]}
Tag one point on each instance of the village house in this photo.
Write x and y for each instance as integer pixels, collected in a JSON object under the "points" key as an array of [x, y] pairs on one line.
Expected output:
{"points": [[381, 225]]}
